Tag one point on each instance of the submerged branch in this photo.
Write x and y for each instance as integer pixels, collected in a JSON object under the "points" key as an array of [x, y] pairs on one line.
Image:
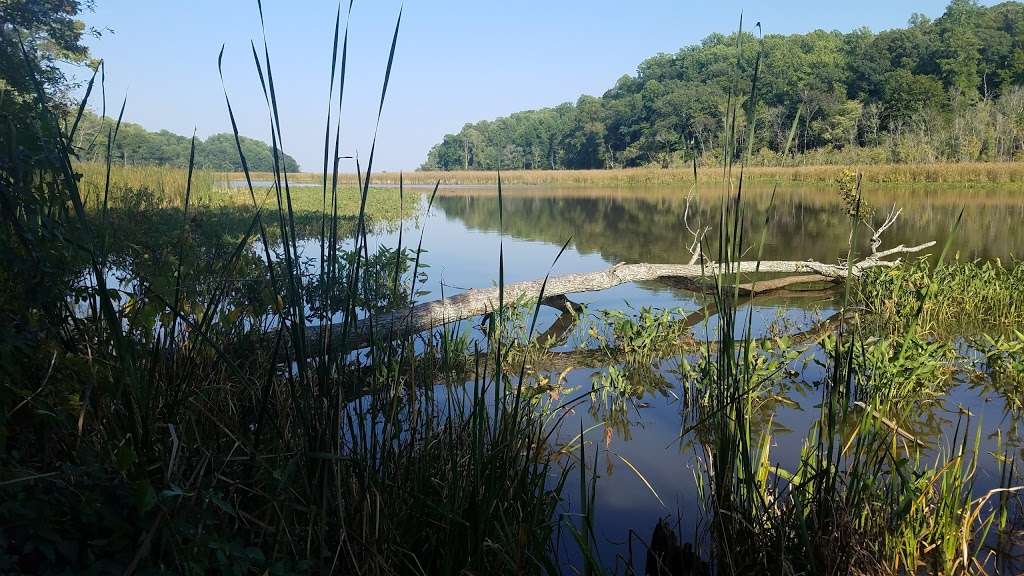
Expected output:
{"points": [[609, 355], [601, 357]]}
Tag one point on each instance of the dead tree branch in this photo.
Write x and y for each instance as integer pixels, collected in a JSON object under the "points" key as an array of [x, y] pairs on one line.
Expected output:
{"points": [[480, 301]]}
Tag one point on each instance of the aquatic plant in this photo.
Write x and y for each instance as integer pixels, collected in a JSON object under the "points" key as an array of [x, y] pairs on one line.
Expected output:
{"points": [[967, 296], [856, 502], [891, 371], [644, 336], [1003, 364]]}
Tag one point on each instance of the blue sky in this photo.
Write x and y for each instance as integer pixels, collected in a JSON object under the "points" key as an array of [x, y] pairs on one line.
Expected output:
{"points": [[457, 60]]}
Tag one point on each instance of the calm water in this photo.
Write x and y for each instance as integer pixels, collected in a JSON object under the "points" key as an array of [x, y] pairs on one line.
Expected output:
{"points": [[609, 226], [461, 236]]}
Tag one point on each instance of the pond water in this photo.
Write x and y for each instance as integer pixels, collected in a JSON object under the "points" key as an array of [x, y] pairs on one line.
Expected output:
{"points": [[646, 470]]}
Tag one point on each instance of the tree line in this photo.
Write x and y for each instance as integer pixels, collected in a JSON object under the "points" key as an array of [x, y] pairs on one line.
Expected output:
{"points": [[947, 89], [137, 146]]}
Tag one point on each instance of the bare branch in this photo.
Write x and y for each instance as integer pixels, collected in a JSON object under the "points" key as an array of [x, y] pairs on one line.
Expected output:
{"points": [[876, 236], [897, 250], [696, 247]]}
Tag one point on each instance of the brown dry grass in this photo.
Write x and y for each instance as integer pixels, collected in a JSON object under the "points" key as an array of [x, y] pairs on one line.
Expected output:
{"points": [[949, 173]]}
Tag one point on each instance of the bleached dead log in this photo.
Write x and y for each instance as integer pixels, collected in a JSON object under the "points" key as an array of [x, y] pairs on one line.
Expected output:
{"points": [[480, 301]]}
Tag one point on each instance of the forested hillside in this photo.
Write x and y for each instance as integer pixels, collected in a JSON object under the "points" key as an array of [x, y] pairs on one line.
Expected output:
{"points": [[947, 89], [137, 146]]}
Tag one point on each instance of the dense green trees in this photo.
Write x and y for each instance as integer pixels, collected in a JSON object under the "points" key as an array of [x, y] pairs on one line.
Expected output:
{"points": [[943, 89], [136, 145], [36, 37], [51, 33]]}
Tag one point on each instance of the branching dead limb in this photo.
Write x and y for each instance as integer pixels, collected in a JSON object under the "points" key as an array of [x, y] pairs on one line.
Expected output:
{"points": [[698, 275], [480, 301]]}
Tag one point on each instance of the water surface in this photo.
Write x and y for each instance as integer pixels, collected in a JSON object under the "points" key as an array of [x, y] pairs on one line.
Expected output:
{"points": [[607, 226], [642, 435]]}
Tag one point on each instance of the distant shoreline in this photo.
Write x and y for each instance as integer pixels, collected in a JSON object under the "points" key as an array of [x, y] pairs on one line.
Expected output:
{"points": [[967, 173]]}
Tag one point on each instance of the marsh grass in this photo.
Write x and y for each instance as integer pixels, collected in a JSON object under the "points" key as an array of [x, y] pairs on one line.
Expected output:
{"points": [[165, 186], [168, 428], [139, 188], [967, 173]]}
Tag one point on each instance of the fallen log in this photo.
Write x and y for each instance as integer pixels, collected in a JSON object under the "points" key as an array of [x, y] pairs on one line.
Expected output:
{"points": [[481, 301]]}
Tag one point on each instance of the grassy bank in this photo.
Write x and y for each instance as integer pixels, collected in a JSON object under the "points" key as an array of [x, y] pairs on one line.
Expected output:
{"points": [[148, 187], [973, 173]]}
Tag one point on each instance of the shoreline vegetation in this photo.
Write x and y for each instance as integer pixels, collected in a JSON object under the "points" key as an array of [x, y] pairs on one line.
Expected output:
{"points": [[965, 173], [162, 187], [174, 399]]}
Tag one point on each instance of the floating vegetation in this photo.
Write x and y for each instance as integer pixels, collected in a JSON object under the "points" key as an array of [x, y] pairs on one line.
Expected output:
{"points": [[1004, 365], [643, 337], [968, 296], [890, 371]]}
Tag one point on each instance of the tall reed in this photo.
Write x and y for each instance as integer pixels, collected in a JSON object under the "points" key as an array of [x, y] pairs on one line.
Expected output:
{"points": [[193, 430], [859, 501]]}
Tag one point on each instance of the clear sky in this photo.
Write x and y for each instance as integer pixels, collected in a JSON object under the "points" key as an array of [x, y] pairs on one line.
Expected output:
{"points": [[457, 61]]}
